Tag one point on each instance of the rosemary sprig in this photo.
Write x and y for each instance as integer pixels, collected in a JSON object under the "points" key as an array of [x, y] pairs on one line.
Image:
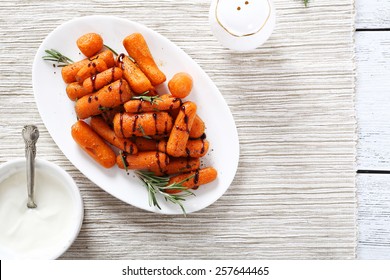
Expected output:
{"points": [[144, 97], [104, 109], [54, 55], [124, 161], [159, 184], [141, 129], [306, 2], [114, 52]]}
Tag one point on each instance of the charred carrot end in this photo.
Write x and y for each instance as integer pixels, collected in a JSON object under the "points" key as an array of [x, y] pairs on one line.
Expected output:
{"points": [[93, 67], [75, 91], [104, 130], [90, 44], [138, 81], [145, 124], [180, 85], [143, 160], [162, 103], [96, 82], [198, 177], [178, 138], [198, 128], [105, 99], [138, 49], [93, 144]]}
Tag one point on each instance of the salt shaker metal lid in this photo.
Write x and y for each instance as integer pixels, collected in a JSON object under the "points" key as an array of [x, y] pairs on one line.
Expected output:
{"points": [[242, 25]]}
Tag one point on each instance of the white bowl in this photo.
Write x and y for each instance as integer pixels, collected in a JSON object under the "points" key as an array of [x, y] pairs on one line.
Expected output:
{"points": [[242, 25], [50, 233]]}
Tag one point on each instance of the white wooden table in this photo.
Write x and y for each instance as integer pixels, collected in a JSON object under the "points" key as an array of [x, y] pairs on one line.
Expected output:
{"points": [[373, 113]]}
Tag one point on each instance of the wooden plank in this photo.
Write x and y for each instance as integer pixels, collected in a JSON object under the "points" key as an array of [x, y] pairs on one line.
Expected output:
{"points": [[372, 14], [373, 99], [374, 216]]}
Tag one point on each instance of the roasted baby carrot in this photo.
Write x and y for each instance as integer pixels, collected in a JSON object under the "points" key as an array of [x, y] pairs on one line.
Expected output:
{"points": [[178, 165], [138, 49], [90, 44], [107, 56], [137, 80], [144, 144], [200, 177], [198, 128], [69, 72], [75, 90], [106, 98], [162, 103], [180, 85], [143, 160], [93, 144], [145, 124], [180, 133], [96, 82], [105, 131], [195, 148], [93, 67]]}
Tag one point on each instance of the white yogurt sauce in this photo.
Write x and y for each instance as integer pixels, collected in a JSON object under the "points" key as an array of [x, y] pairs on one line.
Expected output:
{"points": [[34, 233]]}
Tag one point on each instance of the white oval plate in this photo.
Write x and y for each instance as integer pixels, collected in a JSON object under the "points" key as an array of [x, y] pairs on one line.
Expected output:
{"points": [[58, 115]]}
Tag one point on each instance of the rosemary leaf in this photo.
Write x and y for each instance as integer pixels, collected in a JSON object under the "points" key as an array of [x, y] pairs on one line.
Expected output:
{"points": [[114, 52], [124, 161], [143, 97], [159, 184], [141, 129], [56, 56], [102, 108]]}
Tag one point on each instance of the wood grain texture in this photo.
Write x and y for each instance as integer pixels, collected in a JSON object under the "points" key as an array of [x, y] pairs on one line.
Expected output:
{"points": [[373, 99], [372, 14], [374, 216], [293, 196]]}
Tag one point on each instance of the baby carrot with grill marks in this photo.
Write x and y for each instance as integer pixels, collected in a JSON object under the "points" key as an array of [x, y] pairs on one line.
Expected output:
{"points": [[195, 148], [93, 67], [69, 72], [161, 103], [143, 160], [144, 124], [106, 98], [104, 130], [137, 80], [96, 82], [178, 138], [199, 177], [178, 165]]}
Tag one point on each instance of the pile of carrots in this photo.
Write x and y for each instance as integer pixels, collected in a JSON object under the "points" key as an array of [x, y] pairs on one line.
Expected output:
{"points": [[159, 133]]}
